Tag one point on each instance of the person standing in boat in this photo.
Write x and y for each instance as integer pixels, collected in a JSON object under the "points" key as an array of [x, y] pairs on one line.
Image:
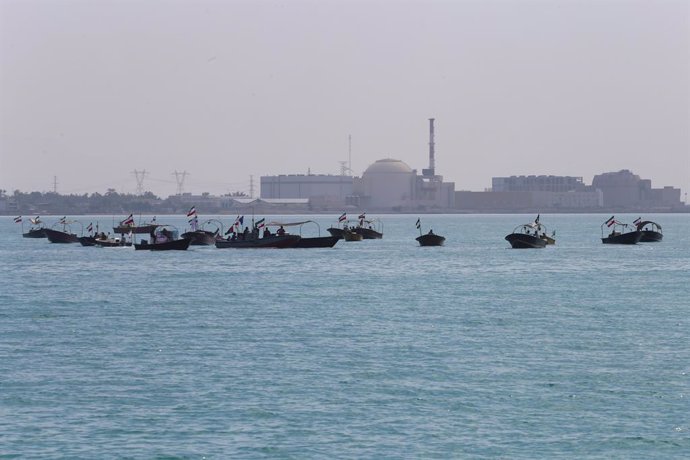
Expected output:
{"points": [[267, 232], [281, 231]]}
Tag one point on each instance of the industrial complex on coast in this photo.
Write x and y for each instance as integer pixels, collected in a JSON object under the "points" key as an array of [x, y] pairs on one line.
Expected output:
{"points": [[390, 185]]}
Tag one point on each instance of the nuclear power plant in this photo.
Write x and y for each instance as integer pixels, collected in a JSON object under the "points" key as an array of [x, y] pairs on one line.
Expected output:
{"points": [[391, 185], [386, 185]]}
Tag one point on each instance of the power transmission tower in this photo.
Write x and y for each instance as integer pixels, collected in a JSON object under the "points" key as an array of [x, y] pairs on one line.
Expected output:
{"points": [[179, 178], [139, 176]]}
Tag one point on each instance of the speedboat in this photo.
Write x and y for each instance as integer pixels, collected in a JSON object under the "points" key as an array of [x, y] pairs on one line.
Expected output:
{"points": [[62, 236], [37, 229], [620, 233], [164, 238], [429, 239], [525, 236], [272, 241], [651, 231], [306, 242]]}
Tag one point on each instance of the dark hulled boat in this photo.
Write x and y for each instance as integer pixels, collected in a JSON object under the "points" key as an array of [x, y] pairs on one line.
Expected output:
{"points": [[112, 243], [306, 242], [619, 233], [35, 233], [273, 241], [528, 236], [173, 245], [622, 237], [651, 231], [164, 238], [57, 236], [431, 239], [201, 237], [87, 240], [317, 242], [368, 233]]}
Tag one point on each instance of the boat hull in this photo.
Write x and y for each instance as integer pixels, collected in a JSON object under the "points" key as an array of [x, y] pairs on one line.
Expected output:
{"points": [[87, 240], [274, 241], [649, 236], [35, 233], [431, 240], [352, 236], [111, 244], [335, 231], [318, 242], [200, 238], [175, 245], [56, 236], [623, 238], [523, 241], [368, 233]]}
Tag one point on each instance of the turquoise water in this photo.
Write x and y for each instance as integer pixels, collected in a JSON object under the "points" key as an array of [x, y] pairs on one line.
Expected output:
{"points": [[376, 349]]}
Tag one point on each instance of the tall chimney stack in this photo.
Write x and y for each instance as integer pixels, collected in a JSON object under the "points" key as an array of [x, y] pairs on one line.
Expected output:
{"points": [[432, 166]]}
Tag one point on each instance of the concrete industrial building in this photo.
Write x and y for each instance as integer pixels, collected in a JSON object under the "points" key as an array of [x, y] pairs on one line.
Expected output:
{"points": [[625, 190], [617, 191], [386, 185]]}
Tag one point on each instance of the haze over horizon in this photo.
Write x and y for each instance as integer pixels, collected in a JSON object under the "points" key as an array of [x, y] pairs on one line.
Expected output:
{"points": [[91, 91]]}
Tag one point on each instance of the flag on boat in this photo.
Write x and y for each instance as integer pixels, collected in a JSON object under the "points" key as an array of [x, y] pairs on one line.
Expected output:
{"points": [[153, 221], [362, 216], [260, 223], [343, 217], [17, 219], [192, 212], [536, 221], [36, 221], [239, 221], [637, 221], [611, 221], [418, 224], [90, 227], [128, 221], [63, 220]]}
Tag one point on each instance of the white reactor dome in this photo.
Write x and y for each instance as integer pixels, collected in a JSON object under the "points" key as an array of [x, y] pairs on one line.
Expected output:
{"points": [[388, 183], [388, 166]]}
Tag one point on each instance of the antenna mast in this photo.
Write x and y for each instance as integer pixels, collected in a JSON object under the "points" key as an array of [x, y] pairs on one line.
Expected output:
{"points": [[139, 176], [432, 160], [179, 178], [349, 153]]}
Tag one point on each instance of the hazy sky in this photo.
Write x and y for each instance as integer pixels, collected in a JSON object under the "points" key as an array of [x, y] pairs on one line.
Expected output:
{"points": [[91, 90]]}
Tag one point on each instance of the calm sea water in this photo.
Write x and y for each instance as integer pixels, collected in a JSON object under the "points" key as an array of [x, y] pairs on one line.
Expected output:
{"points": [[376, 349]]}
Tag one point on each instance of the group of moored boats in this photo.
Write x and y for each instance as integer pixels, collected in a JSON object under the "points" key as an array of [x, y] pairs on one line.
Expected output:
{"points": [[534, 234], [211, 233]]}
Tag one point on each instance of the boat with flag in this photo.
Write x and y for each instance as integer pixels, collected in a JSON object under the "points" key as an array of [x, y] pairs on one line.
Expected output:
{"points": [[37, 229], [305, 242], [340, 227], [163, 238], [651, 231], [430, 238], [255, 240], [65, 235], [528, 236], [369, 229], [127, 226], [621, 233], [198, 235]]}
